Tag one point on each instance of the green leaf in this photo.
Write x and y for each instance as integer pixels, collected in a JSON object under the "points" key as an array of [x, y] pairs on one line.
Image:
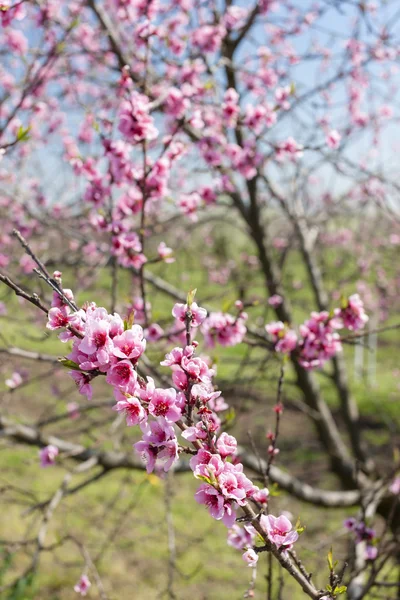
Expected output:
{"points": [[340, 590], [190, 297], [330, 559], [130, 320], [69, 364], [23, 133]]}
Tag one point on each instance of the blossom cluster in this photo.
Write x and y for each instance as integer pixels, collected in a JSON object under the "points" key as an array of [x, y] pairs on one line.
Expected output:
{"points": [[104, 344], [365, 534], [318, 340]]}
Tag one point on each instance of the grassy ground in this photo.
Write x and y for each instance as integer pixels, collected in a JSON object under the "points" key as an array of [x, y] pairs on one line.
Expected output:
{"points": [[122, 518]]}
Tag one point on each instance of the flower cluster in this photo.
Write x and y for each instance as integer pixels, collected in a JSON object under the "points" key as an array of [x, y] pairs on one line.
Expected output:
{"points": [[224, 329], [284, 338], [318, 340], [225, 486], [135, 122], [104, 344], [352, 314], [365, 534]]}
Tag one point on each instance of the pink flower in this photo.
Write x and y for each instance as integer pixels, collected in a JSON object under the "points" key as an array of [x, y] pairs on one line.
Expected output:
{"points": [[226, 445], [275, 300], [130, 344], [333, 139], [217, 506], [83, 585], [224, 329], [48, 455], [154, 332], [163, 404], [135, 122], [148, 454], [82, 381], [241, 537], [250, 557], [395, 486], [289, 149], [198, 314], [14, 381], [261, 496], [122, 375], [371, 552], [134, 411], [279, 531], [97, 340], [285, 339], [319, 341], [58, 317], [353, 314], [165, 253]]}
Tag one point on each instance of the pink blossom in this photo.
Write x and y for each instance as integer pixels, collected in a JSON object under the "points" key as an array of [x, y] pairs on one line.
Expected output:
{"points": [[285, 339], [58, 318], [224, 329], [16, 41], [275, 300], [14, 381], [130, 344], [319, 341], [226, 444], [176, 104], [48, 455], [189, 204], [154, 332], [97, 339], [333, 139], [82, 381], [395, 486], [121, 375], [133, 410], [241, 537], [165, 253], [279, 531], [135, 122], [148, 453], [198, 314], [353, 314], [371, 552], [217, 506], [83, 585], [250, 557], [163, 404], [261, 496], [289, 149]]}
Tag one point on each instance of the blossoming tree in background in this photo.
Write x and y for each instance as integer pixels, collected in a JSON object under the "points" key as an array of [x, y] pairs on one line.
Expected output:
{"points": [[255, 140]]}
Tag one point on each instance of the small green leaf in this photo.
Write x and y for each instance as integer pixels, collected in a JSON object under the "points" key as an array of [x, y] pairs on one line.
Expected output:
{"points": [[130, 320], [330, 559], [190, 297], [340, 590], [69, 364], [23, 134]]}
